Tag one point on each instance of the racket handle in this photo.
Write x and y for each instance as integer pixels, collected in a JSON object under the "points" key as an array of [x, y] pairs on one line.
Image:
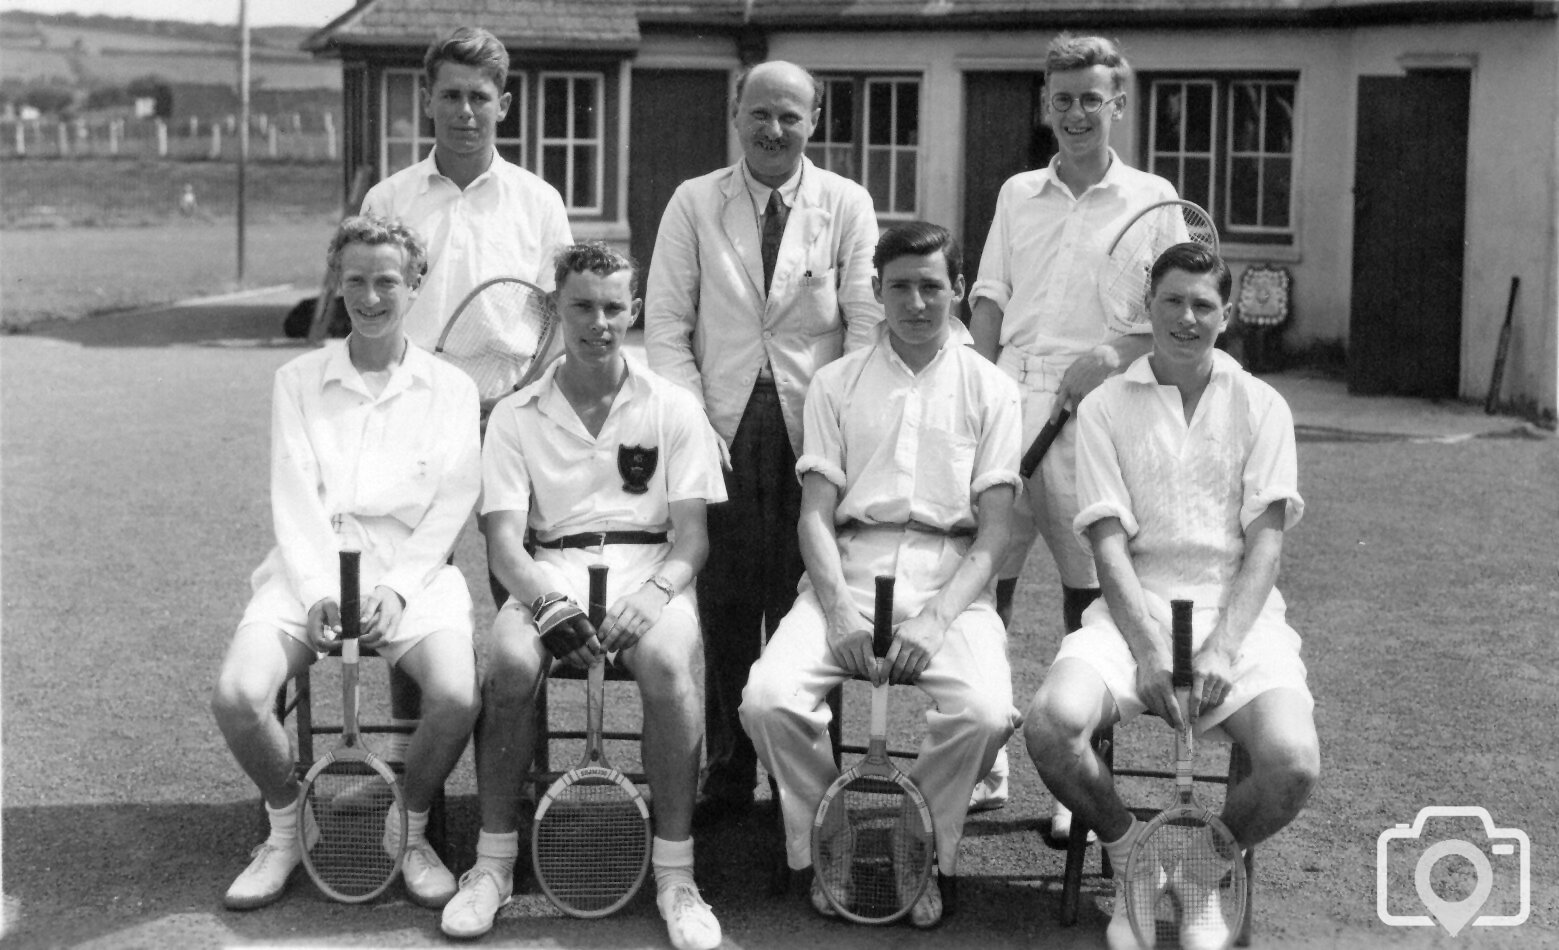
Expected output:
{"points": [[597, 606], [1180, 633], [351, 596], [1042, 442], [882, 618]]}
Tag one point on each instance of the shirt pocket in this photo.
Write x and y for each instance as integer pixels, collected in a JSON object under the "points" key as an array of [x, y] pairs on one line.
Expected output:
{"points": [[816, 299], [944, 473]]}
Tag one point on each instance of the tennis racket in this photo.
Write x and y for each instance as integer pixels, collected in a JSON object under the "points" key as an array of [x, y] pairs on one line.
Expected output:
{"points": [[1047, 435], [503, 334], [354, 798], [590, 840], [1186, 865], [872, 838], [1123, 281]]}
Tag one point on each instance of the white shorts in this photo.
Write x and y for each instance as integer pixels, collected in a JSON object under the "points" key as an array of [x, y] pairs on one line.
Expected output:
{"points": [[443, 604], [1269, 657]]}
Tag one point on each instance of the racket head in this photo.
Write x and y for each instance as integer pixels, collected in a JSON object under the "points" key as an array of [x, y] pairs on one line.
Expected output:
{"points": [[1185, 870], [354, 799], [873, 844], [503, 334], [1123, 278], [590, 841]]}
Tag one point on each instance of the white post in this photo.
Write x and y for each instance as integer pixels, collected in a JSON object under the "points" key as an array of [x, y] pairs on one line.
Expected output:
{"points": [[114, 126], [216, 140], [64, 138], [330, 135], [162, 138], [194, 126], [271, 139], [21, 138]]}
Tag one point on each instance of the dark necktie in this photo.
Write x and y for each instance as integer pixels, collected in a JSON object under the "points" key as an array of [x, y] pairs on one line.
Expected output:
{"points": [[773, 232]]}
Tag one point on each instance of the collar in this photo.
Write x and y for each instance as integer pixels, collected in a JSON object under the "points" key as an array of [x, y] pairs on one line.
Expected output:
{"points": [[1049, 177], [428, 174], [545, 388], [416, 367], [1141, 371], [886, 345], [760, 192]]}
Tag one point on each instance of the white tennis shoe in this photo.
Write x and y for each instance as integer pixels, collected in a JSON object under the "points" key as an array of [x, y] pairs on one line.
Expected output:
{"points": [[1119, 935], [991, 792], [471, 911], [690, 922], [1202, 926], [428, 881], [270, 868]]}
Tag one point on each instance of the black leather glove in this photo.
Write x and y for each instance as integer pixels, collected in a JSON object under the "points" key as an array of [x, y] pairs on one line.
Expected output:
{"points": [[564, 627]]}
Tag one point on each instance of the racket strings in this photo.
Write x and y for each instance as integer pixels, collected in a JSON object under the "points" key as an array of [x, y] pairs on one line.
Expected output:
{"points": [[1188, 876], [496, 334], [591, 846], [874, 848], [350, 801]]}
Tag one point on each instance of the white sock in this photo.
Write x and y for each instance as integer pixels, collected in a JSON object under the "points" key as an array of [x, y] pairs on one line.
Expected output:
{"points": [[1119, 850], [416, 827], [284, 825], [396, 742], [673, 862], [497, 852]]}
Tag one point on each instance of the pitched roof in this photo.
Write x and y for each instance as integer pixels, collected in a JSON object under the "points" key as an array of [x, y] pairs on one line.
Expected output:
{"points": [[521, 24]]}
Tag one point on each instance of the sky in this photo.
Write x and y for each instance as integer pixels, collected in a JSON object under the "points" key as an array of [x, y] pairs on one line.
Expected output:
{"points": [[309, 13]]}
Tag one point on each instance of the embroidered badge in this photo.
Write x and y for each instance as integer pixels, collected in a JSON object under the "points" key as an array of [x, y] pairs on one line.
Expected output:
{"points": [[636, 463]]}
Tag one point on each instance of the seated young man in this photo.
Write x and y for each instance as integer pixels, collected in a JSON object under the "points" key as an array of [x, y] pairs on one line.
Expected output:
{"points": [[374, 447], [1187, 478], [909, 468], [600, 459]]}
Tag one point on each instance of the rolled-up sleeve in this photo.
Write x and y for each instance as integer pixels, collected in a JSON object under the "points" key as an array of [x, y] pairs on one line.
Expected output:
{"points": [[1272, 469], [997, 456], [1101, 488], [672, 297], [858, 305], [693, 452], [994, 281], [505, 480], [822, 448]]}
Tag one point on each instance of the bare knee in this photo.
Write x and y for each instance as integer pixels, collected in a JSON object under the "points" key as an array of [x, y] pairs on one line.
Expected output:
{"points": [[669, 667], [242, 697], [1288, 771], [1058, 726], [514, 671]]}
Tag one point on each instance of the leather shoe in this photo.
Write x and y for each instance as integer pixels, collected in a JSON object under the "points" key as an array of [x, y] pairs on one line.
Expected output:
{"points": [[716, 808]]}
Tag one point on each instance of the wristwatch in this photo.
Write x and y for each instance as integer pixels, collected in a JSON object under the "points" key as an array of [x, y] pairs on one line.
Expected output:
{"points": [[544, 601], [664, 586]]}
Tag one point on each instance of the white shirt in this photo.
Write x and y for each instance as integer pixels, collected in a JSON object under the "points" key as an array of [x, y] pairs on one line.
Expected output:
{"points": [[540, 459], [393, 475], [1185, 493], [1045, 249], [902, 446], [507, 223]]}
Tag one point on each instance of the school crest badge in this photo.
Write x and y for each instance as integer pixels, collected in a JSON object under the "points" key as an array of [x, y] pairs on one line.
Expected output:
{"points": [[636, 464]]}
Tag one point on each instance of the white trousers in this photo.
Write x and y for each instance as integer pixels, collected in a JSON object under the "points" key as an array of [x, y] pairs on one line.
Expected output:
{"points": [[784, 710]]}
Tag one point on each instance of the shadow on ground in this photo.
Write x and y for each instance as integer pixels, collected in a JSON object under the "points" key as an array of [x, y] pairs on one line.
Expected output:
{"points": [[238, 323]]}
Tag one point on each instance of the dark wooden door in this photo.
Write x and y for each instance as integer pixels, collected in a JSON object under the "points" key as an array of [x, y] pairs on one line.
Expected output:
{"points": [[1409, 222], [1004, 133], [676, 130]]}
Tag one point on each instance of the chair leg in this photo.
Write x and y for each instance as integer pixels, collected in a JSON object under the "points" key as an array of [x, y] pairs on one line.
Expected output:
{"points": [[1077, 845]]}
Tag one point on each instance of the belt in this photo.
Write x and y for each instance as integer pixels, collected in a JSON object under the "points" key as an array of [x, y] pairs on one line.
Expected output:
{"points": [[598, 539], [919, 526]]}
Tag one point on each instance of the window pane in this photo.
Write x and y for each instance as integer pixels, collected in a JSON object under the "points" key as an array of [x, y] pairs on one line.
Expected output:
{"points": [[879, 114], [584, 177], [1168, 166], [397, 155], [1246, 131], [509, 127], [1198, 182], [1168, 109], [399, 107], [843, 162], [904, 183], [1275, 196], [877, 177], [841, 112], [510, 153], [1280, 118], [584, 109], [1243, 195], [819, 156], [1199, 118], [908, 107], [554, 166], [424, 149], [554, 118]]}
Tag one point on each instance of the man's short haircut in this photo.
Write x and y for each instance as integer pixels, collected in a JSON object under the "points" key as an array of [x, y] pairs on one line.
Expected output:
{"points": [[1067, 53], [741, 83], [919, 239], [468, 46], [595, 257], [369, 229], [1192, 258]]}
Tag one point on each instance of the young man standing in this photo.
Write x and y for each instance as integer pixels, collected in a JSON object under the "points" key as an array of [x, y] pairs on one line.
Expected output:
{"points": [[909, 468], [1187, 481], [373, 447], [1036, 311], [599, 459]]}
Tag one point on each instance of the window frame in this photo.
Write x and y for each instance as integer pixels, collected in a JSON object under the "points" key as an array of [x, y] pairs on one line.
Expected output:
{"points": [[570, 142], [421, 145], [860, 147], [1222, 156]]}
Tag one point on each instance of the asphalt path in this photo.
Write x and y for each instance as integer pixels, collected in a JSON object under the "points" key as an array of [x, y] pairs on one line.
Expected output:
{"points": [[135, 505]]}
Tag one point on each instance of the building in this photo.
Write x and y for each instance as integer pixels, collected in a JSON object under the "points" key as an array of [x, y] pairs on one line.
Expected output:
{"points": [[1374, 148]]}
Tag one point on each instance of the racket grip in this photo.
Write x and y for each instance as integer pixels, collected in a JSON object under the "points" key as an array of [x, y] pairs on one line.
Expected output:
{"points": [[1042, 442], [351, 596], [882, 618], [1180, 633], [597, 605]]}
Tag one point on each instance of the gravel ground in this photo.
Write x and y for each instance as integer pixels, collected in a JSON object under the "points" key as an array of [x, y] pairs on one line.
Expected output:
{"points": [[134, 507]]}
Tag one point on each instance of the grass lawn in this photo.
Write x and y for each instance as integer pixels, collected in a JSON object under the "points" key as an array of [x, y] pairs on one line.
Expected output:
{"points": [[69, 273]]}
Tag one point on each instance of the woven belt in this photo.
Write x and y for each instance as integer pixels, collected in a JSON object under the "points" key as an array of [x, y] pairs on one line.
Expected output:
{"points": [[597, 539], [919, 526]]}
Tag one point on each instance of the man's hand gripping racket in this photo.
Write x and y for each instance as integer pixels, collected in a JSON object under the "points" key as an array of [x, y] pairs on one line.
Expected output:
{"points": [[1185, 876], [872, 837]]}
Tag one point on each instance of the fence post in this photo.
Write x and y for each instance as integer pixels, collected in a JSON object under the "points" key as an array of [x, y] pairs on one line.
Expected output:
{"points": [[216, 140], [113, 137], [21, 138], [271, 139], [330, 135], [194, 126], [162, 138], [64, 138]]}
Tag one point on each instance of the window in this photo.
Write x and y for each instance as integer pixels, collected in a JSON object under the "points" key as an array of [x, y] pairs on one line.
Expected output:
{"points": [[869, 131], [570, 137], [1227, 143], [408, 131]]}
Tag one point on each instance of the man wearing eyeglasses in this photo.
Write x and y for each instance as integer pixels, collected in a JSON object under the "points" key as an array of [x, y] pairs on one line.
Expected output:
{"points": [[1037, 315]]}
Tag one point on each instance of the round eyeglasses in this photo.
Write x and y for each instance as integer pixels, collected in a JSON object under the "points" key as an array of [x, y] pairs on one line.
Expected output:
{"points": [[1091, 102]]}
